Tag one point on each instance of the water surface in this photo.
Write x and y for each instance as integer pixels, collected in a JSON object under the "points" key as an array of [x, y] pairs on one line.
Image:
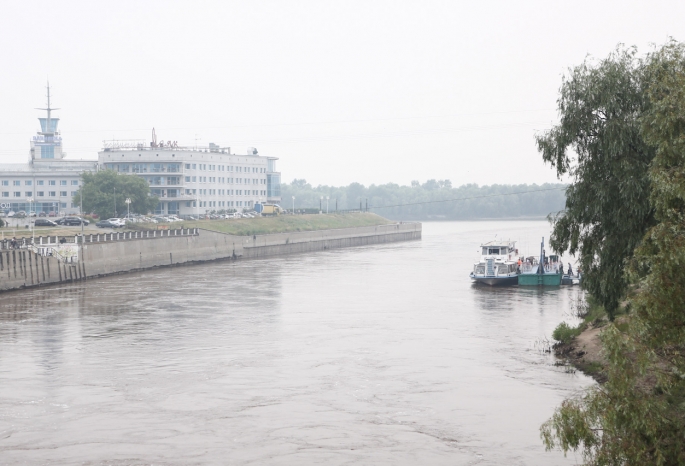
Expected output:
{"points": [[374, 355]]}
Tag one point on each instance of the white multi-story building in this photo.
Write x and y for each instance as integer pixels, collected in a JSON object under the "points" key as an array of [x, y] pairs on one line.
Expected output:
{"points": [[188, 181], [194, 181], [48, 182]]}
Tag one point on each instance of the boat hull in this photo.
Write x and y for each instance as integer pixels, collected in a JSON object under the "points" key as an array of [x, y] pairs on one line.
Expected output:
{"points": [[533, 279], [496, 281]]}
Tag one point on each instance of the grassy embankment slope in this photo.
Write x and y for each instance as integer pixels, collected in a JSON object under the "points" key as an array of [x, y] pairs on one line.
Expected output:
{"points": [[243, 226], [287, 223]]}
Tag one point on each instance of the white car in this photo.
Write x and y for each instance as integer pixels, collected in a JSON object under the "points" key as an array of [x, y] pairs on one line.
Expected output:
{"points": [[117, 221]]}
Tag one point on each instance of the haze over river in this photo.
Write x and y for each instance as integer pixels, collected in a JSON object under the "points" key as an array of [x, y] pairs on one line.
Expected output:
{"points": [[375, 355]]}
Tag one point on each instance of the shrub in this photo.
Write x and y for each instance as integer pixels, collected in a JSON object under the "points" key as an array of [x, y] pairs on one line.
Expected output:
{"points": [[564, 333]]}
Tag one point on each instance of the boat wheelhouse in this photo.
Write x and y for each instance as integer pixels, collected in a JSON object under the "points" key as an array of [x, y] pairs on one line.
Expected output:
{"points": [[497, 265]]}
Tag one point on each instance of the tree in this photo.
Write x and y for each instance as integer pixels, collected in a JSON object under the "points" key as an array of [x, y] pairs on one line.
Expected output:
{"points": [[99, 190], [607, 205], [638, 416]]}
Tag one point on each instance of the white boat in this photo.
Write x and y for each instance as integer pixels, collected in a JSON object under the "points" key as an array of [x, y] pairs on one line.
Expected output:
{"points": [[498, 264]]}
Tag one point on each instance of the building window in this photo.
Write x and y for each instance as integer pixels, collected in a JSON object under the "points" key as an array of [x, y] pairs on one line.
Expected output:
{"points": [[40, 193], [17, 194], [194, 179], [29, 193], [52, 182], [52, 194], [63, 205], [5, 182], [16, 183], [188, 168], [63, 193], [194, 166], [27, 182], [187, 179], [62, 182], [74, 182], [73, 193], [40, 182], [5, 194]]}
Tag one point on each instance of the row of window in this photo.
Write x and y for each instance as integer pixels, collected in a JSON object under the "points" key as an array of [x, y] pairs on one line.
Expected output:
{"points": [[144, 167], [39, 182], [226, 192], [38, 193], [224, 168], [213, 179], [218, 203]]}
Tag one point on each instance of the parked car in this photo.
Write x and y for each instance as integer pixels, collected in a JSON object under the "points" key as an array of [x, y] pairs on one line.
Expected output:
{"points": [[117, 221], [42, 214], [20, 214], [11, 213], [106, 224], [44, 222], [32, 214], [52, 214], [72, 221]]}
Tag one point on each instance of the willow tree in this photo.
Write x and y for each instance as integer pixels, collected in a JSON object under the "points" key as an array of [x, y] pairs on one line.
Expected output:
{"points": [[638, 416], [598, 143]]}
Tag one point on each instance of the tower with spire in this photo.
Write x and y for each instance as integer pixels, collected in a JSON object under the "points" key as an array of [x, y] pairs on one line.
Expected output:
{"points": [[47, 143]]}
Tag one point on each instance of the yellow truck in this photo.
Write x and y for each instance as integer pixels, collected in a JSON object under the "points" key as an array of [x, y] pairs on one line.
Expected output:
{"points": [[271, 209]]}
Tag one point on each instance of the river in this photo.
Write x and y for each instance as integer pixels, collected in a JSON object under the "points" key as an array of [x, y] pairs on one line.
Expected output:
{"points": [[383, 355]]}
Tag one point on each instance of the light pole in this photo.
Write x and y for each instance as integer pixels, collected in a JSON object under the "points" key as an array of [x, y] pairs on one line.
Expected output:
{"points": [[80, 198], [320, 202], [293, 205], [327, 198], [115, 202], [30, 201], [128, 207]]}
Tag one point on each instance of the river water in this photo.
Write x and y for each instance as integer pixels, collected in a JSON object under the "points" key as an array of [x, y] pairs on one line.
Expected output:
{"points": [[381, 355]]}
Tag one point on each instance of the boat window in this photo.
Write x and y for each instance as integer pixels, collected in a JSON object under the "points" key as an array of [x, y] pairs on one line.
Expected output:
{"points": [[485, 251], [480, 270], [493, 251]]}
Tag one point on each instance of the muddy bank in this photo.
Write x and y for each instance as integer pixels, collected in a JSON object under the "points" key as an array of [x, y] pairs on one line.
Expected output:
{"points": [[584, 353]]}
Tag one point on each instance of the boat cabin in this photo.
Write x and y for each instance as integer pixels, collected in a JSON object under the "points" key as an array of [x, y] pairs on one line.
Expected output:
{"points": [[499, 249]]}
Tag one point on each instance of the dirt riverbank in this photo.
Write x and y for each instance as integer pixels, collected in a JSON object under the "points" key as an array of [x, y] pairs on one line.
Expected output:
{"points": [[584, 353]]}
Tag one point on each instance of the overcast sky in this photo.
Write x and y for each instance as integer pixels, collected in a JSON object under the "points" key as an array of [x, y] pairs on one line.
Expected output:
{"points": [[367, 91]]}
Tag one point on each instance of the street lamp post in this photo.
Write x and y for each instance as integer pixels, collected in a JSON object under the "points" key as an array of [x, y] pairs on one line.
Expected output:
{"points": [[293, 205], [30, 201], [320, 202], [327, 198], [115, 202], [128, 207]]}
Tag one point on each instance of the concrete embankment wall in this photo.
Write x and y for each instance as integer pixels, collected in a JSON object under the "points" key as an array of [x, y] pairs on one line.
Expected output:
{"points": [[24, 268]]}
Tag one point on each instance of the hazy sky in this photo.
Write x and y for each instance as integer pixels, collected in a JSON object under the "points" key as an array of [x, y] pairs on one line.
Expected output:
{"points": [[368, 91]]}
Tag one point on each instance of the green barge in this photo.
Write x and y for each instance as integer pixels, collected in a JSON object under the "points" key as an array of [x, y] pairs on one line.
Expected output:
{"points": [[536, 275]]}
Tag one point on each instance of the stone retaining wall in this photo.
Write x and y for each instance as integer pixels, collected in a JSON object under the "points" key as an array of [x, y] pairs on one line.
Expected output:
{"points": [[23, 268]]}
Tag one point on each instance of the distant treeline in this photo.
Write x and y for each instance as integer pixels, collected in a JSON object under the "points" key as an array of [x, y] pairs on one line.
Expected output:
{"points": [[418, 200]]}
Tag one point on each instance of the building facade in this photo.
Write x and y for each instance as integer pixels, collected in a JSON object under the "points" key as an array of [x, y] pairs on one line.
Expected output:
{"points": [[196, 181], [48, 182], [188, 181]]}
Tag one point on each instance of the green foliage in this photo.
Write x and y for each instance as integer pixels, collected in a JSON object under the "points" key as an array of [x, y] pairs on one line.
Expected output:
{"points": [[638, 416], [486, 201], [607, 205], [99, 196], [564, 333]]}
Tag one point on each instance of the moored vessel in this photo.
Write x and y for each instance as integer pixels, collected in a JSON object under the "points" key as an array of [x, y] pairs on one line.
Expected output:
{"points": [[544, 272], [498, 265]]}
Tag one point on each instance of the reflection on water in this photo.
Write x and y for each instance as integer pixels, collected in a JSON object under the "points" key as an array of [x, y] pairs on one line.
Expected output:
{"points": [[375, 355]]}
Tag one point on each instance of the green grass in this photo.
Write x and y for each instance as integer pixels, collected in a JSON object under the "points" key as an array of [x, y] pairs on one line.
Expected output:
{"points": [[564, 333], [285, 223]]}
